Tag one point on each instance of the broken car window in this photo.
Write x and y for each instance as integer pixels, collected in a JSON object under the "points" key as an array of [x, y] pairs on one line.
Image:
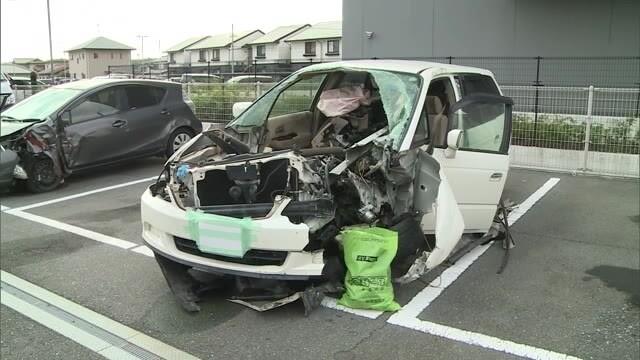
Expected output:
{"points": [[399, 93]]}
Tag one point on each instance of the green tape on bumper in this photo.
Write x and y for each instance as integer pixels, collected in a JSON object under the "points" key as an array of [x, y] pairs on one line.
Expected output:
{"points": [[221, 235]]}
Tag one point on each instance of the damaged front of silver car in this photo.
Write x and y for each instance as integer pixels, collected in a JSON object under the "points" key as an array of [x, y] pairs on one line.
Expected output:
{"points": [[258, 208]]}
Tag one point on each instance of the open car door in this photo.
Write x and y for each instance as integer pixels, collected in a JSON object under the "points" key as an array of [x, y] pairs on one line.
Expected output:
{"points": [[477, 164]]}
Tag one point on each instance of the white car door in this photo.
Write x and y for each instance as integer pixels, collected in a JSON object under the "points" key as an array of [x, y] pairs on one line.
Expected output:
{"points": [[478, 169]]}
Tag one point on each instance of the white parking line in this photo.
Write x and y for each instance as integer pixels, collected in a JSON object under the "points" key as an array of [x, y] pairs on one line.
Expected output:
{"points": [[143, 249], [332, 303], [89, 329], [437, 286], [105, 239], [477, 339], [3, 208], [86, 193], [407, 316]]}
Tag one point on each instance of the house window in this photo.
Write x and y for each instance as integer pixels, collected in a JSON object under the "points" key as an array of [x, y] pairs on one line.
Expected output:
{"points": [[120, 56], [71, 57], [83, 75], [333, 47], [202, 55], [77, 60], [111, 56], [74, 76], [215, 54], [171, 59], [310, 48], [82, 56], [95, 55], [260, 52]]}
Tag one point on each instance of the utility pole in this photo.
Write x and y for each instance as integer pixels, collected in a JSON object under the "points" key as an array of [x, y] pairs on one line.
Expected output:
{"points": [[50, 43], [141, 37], [232, 50]]}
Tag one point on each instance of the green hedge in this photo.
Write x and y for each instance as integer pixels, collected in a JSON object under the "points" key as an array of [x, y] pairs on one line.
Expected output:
{"points": [[566, 133]]}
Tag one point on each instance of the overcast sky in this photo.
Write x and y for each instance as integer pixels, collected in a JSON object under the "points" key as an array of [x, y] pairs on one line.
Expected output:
{"points": [[23, 23]]}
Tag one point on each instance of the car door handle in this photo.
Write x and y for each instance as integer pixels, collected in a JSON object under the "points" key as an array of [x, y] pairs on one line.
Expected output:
{"points": [[495, 177], [119, 123], [165, 112]]}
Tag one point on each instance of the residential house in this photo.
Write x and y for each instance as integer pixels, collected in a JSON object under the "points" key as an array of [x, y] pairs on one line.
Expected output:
{"points": [[319, 43], [177, 54], [30, 63], [43, 68], [12, 69], [222, 49], [93, 57], [272, 46]]}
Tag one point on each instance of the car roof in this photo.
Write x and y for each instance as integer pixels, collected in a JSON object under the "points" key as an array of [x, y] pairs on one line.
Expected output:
{"points": [[407, 66], [94, 83]]}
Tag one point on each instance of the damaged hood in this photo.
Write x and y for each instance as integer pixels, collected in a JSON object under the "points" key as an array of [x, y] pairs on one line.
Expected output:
{"points": [[8, 128]]}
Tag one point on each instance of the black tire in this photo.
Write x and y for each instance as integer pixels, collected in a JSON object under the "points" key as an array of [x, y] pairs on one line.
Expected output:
{"points": [[178, 135], [42, 176]]}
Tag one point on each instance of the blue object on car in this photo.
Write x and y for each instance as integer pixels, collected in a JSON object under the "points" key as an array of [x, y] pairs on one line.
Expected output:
{"points": [[182, 171]]}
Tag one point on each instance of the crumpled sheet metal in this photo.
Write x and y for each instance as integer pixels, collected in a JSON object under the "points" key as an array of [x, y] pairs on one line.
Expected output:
{"points": [[311, 298], [41, 139], [341, 101], [416, 270]]}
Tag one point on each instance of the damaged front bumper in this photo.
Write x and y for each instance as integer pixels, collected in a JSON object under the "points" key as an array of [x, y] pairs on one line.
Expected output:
{"points": [[166, 232]]}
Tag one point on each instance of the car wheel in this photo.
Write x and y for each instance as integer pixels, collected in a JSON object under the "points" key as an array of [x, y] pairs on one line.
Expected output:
{"points": [[177, 139], [42, 176]]}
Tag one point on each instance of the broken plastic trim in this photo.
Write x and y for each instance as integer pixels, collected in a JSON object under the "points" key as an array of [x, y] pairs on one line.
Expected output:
{"points": [[319, 207]]}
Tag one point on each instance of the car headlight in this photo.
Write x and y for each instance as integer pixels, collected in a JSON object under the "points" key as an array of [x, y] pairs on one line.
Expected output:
{"points": [[11, 99]]}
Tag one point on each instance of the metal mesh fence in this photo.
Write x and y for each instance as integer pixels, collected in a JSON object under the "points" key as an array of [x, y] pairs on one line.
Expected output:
{"points": [[24, 91], [214, 101], [593, 130]]}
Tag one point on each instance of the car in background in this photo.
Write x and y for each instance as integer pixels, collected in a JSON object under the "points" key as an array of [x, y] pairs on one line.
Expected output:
{"points": [[8, 158], [200, 78], [244, 79], [88, 123], [23, 88], [113, 76], [6, 89], [24, 81]]}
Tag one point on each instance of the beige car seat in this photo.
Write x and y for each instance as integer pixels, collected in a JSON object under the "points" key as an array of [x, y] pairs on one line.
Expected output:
{"points": [[438, 122]]}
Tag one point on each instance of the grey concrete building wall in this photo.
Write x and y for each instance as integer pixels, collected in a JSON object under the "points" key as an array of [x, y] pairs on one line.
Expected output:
{"points": [[430, 28]]}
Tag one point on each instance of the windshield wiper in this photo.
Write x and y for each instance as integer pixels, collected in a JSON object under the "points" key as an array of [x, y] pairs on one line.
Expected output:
{"points": [[12, 119], [30, 120]]}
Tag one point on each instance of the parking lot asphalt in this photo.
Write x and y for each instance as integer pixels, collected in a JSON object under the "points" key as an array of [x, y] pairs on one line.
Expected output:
{"points": [[571, 285]]}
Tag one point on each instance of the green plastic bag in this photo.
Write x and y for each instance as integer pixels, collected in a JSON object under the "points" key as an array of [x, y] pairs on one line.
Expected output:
{"points": [[368, 252]]}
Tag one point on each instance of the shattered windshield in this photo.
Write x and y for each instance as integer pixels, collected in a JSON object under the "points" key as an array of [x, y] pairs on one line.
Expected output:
{"points": [[398, 93], [40, 105]]}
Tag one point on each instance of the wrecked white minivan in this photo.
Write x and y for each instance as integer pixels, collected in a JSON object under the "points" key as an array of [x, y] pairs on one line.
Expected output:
{"points": [[417, 147]]}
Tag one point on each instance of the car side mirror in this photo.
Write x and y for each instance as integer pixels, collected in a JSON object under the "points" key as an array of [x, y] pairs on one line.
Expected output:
{"points": [[454, 141], [65, 118], [239, 107]]}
